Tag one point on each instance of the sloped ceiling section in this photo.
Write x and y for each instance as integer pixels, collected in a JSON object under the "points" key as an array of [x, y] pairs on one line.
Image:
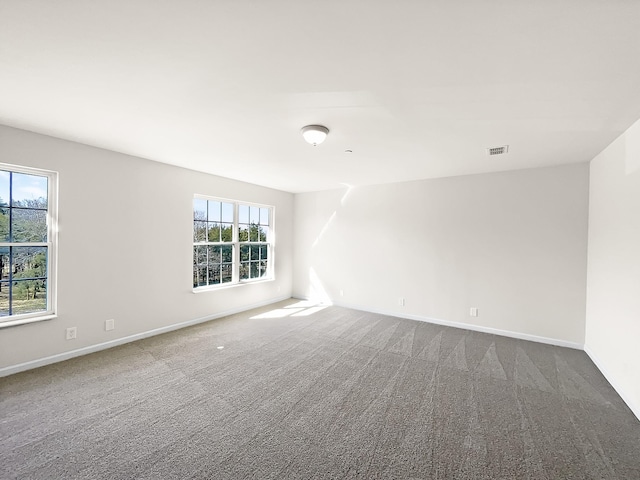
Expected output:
{"points": [[415, 89]]}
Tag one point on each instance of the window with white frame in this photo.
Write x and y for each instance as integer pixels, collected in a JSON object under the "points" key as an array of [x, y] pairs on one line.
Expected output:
{"points": [[232, 242], [27, 244]]}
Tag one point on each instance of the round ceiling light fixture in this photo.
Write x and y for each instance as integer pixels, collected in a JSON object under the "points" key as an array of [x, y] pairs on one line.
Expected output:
{"points": [[314, 134]]}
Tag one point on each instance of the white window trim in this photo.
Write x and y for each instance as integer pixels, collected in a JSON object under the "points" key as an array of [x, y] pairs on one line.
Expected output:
{"points": [[236, 281], [51, 244]]}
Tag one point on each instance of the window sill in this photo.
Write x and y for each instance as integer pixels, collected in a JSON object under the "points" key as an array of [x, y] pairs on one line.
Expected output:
{"points": [[24, 321], [232, 285]]}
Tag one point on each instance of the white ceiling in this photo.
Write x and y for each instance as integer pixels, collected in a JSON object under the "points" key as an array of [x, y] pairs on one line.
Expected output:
{"points": [[416, 89]]}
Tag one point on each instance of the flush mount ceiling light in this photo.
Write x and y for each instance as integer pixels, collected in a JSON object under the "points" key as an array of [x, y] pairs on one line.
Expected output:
{"points": [[314, 134]]}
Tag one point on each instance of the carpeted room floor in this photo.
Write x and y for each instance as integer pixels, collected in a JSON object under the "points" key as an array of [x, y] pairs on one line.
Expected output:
{"points": [[291, 391]]}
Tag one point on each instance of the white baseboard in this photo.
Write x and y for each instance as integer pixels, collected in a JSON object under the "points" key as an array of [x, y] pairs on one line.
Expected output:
{"points": [[466, 326], [611, 379], [40, 362]]}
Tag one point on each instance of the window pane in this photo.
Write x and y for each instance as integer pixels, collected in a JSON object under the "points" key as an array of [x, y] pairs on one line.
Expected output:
{"points": [[4, 188], [4, 263], [254, 215], [227, 253], [244, 253], [28, 296], [214, 211], [28, 225], [255, 252], [4, 203], [244, 271], [243, 214], [29, 191], [27, 292], [264, 249], [199, 231], [227, 232], [214, 274], [4, 299], [264, 216], [4, 224], [200, 255], [199, 209], [263, 268], [29, 262], [227, 273], [243, 233], [214, 255], [202, 276], [214, 232], [263, 234], [254, 270], [253, 233], [227, 212]]}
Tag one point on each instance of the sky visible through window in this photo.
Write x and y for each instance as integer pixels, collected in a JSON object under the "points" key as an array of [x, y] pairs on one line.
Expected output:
{"points": [[25, 186]]}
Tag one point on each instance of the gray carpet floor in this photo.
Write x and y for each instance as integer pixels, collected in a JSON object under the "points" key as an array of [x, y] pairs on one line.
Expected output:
{"points": [[290, 392]]}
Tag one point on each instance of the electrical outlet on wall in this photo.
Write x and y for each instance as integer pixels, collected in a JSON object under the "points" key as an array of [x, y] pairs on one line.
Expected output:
{"points": [[72, 333], [401, 301], [473, 312], [109, 324]]}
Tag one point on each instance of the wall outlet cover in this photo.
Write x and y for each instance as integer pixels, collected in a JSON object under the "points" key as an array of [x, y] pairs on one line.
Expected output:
{"points": [[72, 332]]}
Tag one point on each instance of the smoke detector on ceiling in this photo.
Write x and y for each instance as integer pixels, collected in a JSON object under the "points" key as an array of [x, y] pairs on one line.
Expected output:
{"points": [[497, 150]]}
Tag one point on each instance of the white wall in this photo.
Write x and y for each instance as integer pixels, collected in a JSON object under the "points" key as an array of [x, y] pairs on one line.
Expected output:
{"points": [[125, 246], [511, 244], [613, 278]]}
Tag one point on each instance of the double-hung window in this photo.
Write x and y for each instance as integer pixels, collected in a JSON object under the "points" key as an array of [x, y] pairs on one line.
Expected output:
{"points": [[232, 242], [27, 244]]}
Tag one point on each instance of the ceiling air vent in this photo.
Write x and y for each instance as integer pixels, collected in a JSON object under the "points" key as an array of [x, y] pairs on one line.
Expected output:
{"points": [[497, 150]]}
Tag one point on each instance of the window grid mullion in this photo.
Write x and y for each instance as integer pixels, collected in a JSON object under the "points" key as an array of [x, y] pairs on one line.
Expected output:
{"points": [[236, 243], [11, 240]]}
